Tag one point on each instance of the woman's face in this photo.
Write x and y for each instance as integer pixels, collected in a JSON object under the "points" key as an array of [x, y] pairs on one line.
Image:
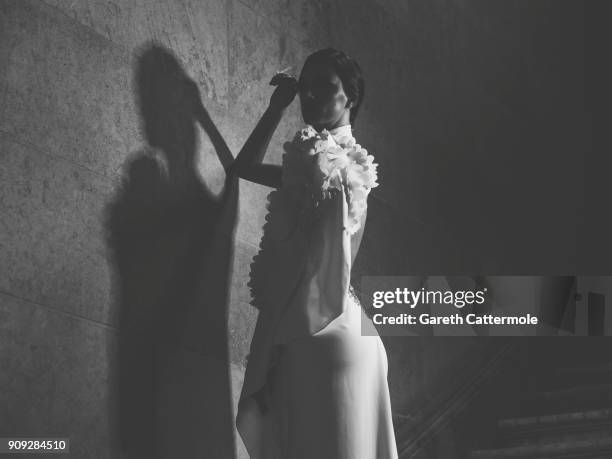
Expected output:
{"points": [[322, 98]]}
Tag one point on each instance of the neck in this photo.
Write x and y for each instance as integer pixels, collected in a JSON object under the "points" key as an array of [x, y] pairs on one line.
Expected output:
{"points": [[342, 121], [320, 128]]}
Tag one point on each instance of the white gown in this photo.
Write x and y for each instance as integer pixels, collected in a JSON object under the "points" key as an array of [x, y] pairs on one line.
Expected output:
{"points": [[315, 386]]}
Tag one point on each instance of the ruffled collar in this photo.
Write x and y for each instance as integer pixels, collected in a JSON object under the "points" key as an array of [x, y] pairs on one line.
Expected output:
{"points": [[315, 161], [337, 133], [341, 131]]}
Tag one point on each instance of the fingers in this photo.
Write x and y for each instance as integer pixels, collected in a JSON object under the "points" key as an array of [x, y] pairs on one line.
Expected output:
{"points": [[281, 78]]}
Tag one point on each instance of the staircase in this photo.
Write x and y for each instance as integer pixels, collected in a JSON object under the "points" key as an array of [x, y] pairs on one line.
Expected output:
{"points": [[568, 415]]}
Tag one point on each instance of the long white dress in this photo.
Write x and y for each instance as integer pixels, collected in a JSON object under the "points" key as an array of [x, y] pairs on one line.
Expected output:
{"points": [[316, 382]]}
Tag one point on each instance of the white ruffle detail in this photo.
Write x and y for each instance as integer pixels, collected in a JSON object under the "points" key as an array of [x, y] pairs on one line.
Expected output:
{"points": [[316, 163]]}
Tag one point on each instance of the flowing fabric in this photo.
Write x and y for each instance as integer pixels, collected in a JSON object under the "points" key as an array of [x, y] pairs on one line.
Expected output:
{"points": [[314, 387]]}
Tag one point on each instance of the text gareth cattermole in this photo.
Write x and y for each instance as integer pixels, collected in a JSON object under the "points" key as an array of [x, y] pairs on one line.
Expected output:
{"points": [[413, 298]]}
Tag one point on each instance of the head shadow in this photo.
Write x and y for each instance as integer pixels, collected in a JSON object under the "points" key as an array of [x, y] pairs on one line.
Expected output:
{"points": [[170, 244]]}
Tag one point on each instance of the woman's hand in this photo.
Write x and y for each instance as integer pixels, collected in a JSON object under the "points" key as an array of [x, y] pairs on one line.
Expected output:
{"points": [[286, 89]]}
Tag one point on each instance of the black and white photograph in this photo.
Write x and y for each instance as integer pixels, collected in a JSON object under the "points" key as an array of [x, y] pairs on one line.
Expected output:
{"points": [[305, 229]]}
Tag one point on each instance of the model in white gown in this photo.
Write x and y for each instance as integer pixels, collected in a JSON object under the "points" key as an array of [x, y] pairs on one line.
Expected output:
{"points": [[316, 383]]}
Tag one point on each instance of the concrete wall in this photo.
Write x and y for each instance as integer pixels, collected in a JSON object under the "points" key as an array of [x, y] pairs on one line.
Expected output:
{"points": [[472, 111]]}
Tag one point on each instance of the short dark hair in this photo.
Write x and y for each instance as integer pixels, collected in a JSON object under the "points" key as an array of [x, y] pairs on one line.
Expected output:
{"points": [[348, 71]]}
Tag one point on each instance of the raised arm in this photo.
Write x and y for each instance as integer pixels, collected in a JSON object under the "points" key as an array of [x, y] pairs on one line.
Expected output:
{"points": [[248, 164]]}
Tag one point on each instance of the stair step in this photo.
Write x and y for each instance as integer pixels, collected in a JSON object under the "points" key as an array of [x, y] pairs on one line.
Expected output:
{"points": [[543, 438], [581, 425], [585, 397], [590, 374], [600, 447], [548, 420], [598, 367]]}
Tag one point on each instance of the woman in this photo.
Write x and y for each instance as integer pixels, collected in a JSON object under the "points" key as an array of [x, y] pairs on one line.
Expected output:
{"points": [[316, 379]]}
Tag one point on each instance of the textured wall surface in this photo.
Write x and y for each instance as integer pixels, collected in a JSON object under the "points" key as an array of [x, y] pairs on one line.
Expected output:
{"points": [[473, 111]]}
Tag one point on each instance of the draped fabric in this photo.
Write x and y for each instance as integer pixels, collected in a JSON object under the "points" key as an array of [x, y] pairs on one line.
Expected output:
{"points": [[300, 278]]}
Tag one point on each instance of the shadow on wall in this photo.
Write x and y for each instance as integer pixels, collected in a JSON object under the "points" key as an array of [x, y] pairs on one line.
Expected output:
{"points": [[171, 243]]}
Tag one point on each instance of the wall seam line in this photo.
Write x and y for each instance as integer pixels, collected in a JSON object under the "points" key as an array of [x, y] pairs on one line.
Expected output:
{"points": [[120, 47], [52, 309], [13, 138]]}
